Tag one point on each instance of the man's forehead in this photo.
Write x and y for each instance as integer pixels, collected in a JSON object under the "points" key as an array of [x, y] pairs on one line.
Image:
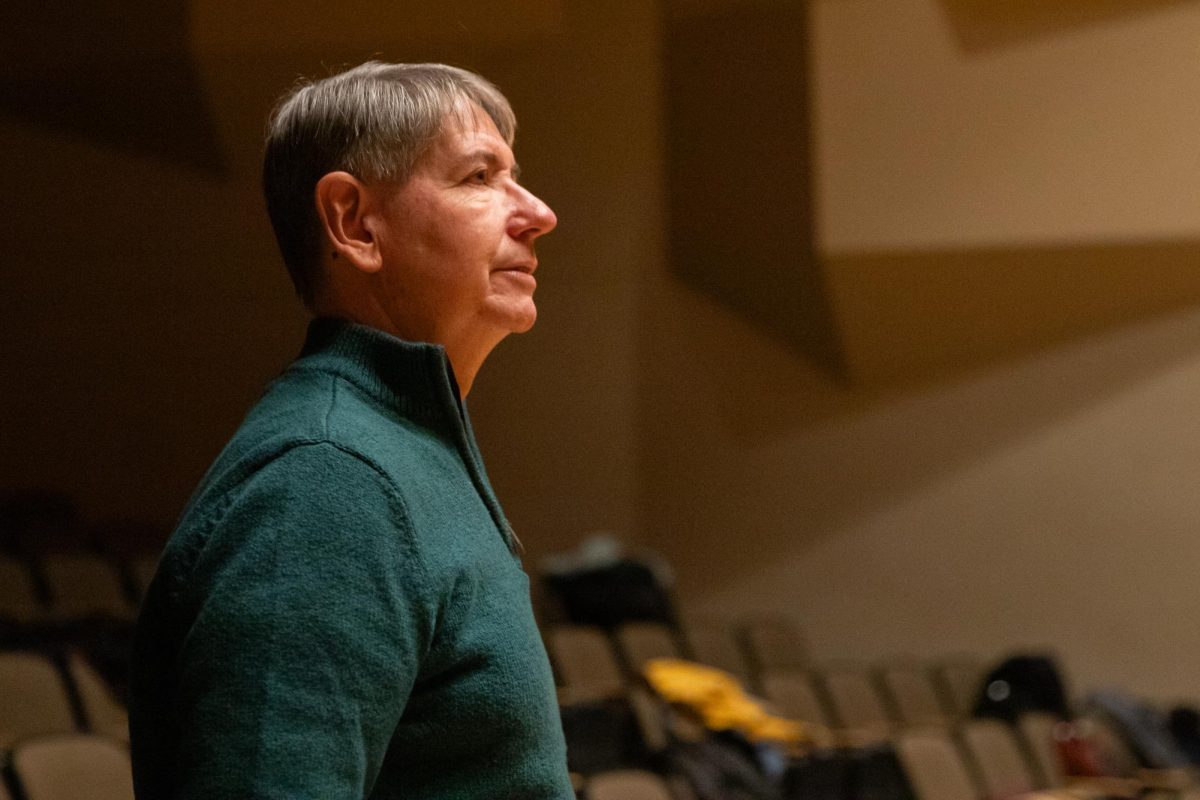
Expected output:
{"points": [[471, 137], [467, 120]]}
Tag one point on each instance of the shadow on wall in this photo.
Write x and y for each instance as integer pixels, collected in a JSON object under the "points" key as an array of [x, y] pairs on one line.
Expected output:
{"points": [[738, 168], [912, 319], [981, 25], [905, 317], [117, 73]]}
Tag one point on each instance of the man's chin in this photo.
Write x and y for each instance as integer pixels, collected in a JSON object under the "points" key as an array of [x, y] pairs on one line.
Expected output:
{"points": [[525, 324], [518, 319]]}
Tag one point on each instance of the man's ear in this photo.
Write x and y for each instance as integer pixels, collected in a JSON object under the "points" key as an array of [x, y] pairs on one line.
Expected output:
{"points": [[345, 204]]}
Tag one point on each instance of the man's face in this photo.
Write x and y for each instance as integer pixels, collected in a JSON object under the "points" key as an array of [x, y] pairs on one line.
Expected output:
{"points": [[457, 239]]}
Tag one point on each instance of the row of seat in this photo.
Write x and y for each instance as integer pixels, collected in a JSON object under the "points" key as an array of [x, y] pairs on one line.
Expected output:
{"points": [[984, 758], [769, 657], [942, 763], [922, 709], [989, 758], [975, 758], [63, 729], [587, 656], [869, 704], [72, 586]]}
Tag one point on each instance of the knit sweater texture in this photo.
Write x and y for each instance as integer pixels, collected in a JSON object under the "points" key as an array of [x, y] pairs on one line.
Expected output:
{"points": [[339, 613]]}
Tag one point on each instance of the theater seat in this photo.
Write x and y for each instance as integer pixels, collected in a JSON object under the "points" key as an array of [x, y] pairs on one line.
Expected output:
{"points": [[33, 697], [71, 767], [627, 785]]}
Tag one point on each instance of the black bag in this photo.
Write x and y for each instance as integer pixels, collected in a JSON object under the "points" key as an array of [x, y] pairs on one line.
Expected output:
{"points": [[1020, 684], [1184, 724], [624, 591]]}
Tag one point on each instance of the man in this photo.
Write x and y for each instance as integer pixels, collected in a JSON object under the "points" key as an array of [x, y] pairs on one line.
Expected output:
{"points": [[340, 613]]}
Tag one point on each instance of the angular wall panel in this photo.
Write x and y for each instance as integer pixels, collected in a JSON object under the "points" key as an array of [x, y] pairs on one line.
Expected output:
{"points": [[935, 149], [738, 163]]}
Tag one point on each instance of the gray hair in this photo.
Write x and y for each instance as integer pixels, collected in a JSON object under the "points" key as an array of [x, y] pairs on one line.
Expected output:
{"points": [[374, 121]]}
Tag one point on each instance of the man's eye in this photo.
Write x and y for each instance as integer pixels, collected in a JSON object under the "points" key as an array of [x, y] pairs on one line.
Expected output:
{"points": [[479, 176]]}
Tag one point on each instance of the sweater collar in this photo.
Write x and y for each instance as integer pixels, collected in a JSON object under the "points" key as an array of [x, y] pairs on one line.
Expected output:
{"points": [[414, 377]]}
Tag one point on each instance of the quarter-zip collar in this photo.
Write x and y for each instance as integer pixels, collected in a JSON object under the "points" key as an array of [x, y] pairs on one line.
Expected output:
{"points": [[414, 378]]}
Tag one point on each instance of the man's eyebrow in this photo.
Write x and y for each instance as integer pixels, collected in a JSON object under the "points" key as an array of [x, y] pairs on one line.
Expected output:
{"points": [[492, 161]]}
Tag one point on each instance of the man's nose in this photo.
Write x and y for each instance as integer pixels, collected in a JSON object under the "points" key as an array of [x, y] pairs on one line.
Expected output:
{"points": [[534, 217]]}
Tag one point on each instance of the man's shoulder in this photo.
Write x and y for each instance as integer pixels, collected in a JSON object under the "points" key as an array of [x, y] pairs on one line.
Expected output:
{"points": [[294, 463], [305, 406], [316, 416], [293, 412]]}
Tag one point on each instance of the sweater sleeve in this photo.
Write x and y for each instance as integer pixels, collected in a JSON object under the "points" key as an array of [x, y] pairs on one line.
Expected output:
{"points": [[313, 613]]}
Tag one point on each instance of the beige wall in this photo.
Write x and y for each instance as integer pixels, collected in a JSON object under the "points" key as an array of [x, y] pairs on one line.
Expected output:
{"points": [[1058, 136], [1042, 498]]}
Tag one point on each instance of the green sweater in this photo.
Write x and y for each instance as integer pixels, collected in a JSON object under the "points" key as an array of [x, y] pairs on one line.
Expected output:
{"points": [[339, 613]]}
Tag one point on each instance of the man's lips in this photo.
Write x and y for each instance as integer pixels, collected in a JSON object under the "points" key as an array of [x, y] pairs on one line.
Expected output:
{"points": [[526, 269]]}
